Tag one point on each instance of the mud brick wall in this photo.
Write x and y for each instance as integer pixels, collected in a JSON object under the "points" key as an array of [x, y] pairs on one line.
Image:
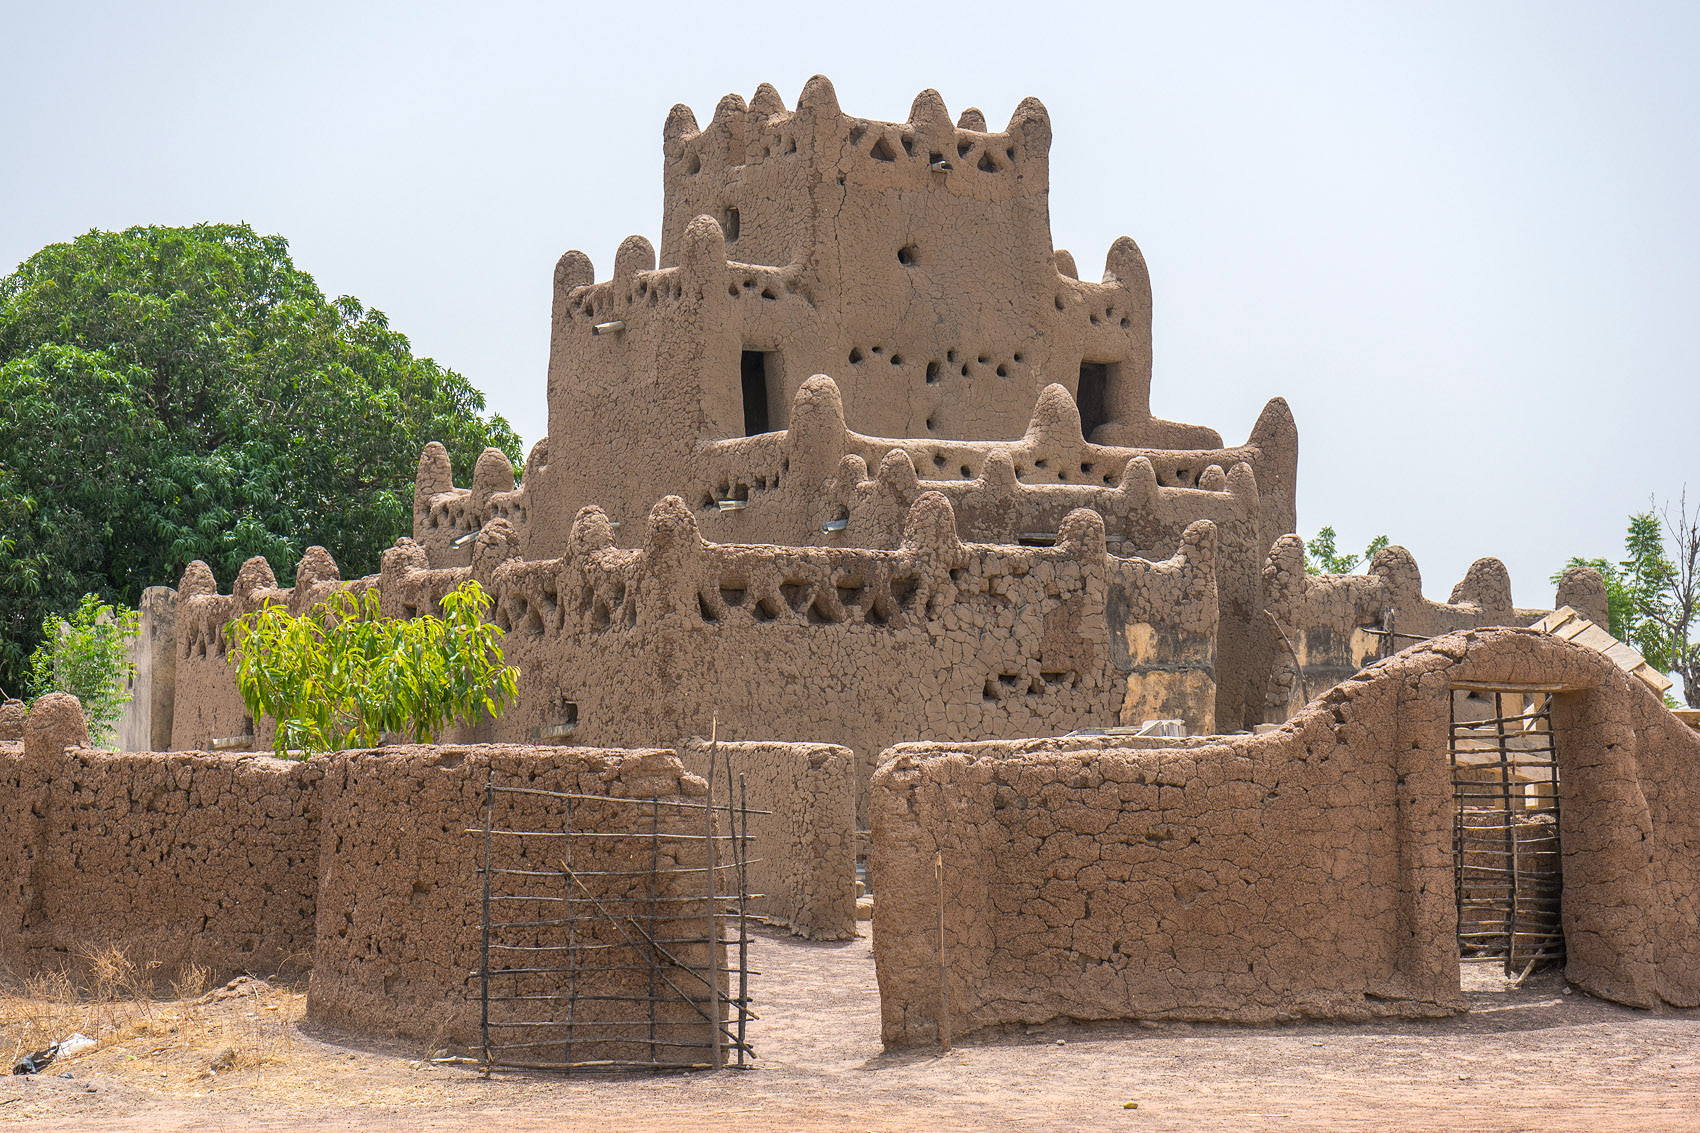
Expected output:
{"points": [[1098, 882], [804, 849], [933, 638], [852, 646], [398, 934], [16, 852], [1306, 873], [181, 858]]}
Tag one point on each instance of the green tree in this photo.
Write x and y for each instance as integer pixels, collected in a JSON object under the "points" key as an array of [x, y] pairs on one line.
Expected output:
{"points": [[1323, 557], [1653, 592], [88, 656], [168, 394], [341, 675]]}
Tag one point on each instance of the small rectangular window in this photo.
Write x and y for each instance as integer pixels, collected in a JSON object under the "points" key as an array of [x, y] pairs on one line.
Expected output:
{"points": [[754, 369], [1092, 396], [731, 225]]}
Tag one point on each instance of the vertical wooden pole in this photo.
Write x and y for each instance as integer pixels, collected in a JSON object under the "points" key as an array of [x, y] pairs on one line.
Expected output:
{"points": [[740, 848], [484, 929], [944, 976], [713, 906], [1503, 752]]}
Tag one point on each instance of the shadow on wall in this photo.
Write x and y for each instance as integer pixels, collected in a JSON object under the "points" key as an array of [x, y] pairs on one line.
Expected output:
{"points": [[1305, 873]]}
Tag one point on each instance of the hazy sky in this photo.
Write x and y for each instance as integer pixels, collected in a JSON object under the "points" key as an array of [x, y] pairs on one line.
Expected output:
{"points": [[1461, 239]]}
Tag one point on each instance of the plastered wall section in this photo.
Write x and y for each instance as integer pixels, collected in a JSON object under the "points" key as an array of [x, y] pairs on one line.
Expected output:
{"points": [[803, 848], [811, 485], [855, 647], [181, 858], [399, 921], [145, 723], [1306, 873], [859, 647]]}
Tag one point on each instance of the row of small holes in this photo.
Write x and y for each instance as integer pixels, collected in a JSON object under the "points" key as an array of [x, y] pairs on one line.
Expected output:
{"points": [[750, 285], [693, 165], [881, 149], [1109, 314], [858, 356], [644, 291]]}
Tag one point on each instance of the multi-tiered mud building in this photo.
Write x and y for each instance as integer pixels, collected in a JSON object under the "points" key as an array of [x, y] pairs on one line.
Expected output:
{"points": [[854, 470], [857, 456]]}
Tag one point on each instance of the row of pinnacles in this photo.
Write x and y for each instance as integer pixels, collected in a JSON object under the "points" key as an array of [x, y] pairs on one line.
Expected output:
{"points": [[929, 633]]}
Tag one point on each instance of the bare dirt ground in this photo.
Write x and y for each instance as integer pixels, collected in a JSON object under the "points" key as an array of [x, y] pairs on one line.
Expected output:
{"points": [[1530, 1058]]}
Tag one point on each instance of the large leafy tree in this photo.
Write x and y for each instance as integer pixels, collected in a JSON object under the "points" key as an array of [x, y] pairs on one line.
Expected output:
{"points": [[170, 394]]}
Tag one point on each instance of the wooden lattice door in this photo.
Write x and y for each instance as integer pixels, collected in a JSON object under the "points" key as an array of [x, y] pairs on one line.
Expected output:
{"points": [[1507, 857]]}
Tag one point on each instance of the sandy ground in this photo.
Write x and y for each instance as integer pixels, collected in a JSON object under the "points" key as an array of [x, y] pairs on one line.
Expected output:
{"points": [[1530, 1058]]}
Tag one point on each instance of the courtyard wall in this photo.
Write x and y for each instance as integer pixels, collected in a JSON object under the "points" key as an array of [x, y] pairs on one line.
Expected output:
{"points": [[1305, 873], [363, 865]]}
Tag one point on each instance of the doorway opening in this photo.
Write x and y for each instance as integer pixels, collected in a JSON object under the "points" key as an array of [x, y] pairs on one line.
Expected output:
{"points": [[1092, 395], [1507, 860], [754, 369]]}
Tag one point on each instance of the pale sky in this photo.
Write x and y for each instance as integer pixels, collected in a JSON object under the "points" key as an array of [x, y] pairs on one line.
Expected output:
{"points": [[1460, 238]]}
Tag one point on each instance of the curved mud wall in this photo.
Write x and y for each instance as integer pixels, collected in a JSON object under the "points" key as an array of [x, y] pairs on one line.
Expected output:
{"points": [[356, 864], [399, 909], [802, 829], [1303, 873]]}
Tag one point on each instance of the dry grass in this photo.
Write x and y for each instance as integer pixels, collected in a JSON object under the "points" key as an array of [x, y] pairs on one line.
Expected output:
{"points": [[147, 1030], [236, 1048]]}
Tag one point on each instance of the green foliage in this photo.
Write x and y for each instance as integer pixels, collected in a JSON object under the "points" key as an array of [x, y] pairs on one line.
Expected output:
{"points": [[1323, 557], [1653, 594], [1636, 588], [342, 676], [170, 394], [87, 655]]}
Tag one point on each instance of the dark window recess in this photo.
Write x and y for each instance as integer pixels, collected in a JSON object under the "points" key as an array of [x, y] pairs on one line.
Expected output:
{"points": [[1092, 396], [731, 225], [754, 369]]}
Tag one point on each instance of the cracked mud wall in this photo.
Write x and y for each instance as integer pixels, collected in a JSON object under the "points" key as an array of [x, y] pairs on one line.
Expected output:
{"points": [[805, 846], [358, 864], [180, 858], [1306, 873], [398, 930]]}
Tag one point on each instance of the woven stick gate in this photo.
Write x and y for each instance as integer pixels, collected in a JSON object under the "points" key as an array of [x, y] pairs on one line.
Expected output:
{"points": [[602, 942]]}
